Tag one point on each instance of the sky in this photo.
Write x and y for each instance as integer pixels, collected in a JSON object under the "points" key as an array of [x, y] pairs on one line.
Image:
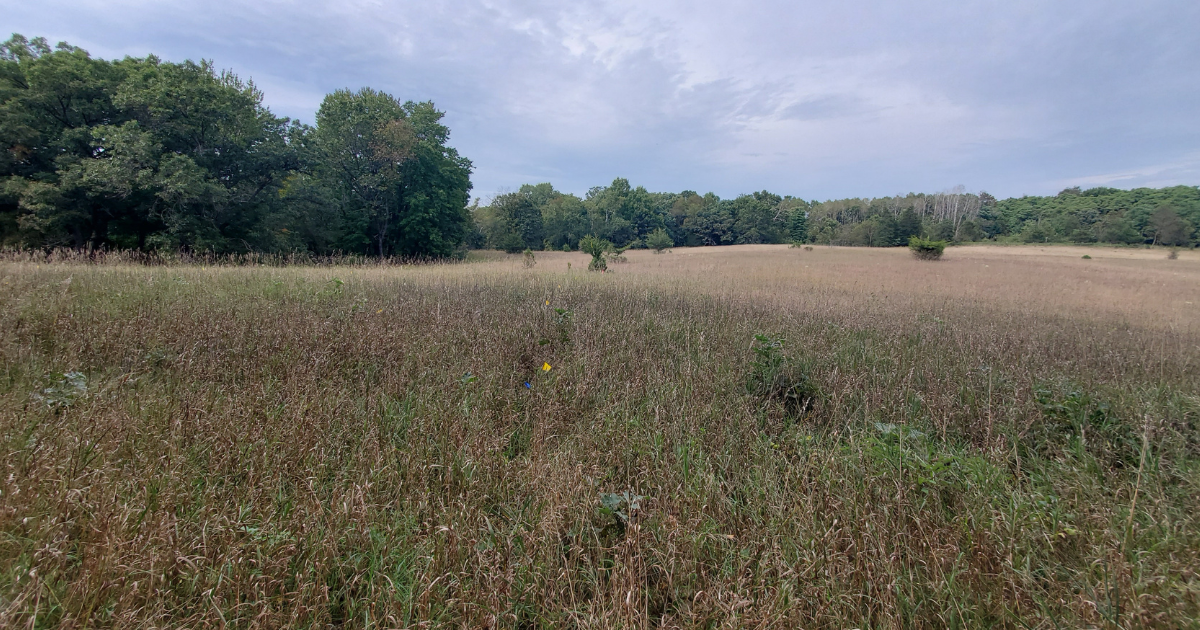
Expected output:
{"points": [[817, 100]]}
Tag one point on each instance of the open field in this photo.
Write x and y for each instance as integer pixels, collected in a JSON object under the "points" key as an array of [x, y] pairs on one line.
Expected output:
{"points": [[1005, 438]]}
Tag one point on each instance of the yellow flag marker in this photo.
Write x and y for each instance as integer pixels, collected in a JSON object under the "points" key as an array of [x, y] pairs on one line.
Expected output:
{"points": [[545, 367]]}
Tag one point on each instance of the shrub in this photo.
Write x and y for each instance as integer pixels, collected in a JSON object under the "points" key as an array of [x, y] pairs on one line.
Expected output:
{"points": [[659, 241], [528, 258], [774, 377], [617, 254], [1086, 257], [925, 249], [596, 248], [1174, 255]]}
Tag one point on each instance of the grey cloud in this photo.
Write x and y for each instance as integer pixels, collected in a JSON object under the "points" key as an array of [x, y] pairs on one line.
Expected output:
{"points": [[805, 98]]}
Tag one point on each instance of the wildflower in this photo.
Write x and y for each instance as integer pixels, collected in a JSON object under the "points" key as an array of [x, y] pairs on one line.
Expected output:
{"points": [[379, 311], [547, 302], [527, 385], [545, 367]]}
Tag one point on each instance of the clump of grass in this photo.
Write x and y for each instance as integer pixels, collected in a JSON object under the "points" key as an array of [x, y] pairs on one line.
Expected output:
{"points": [[1087, 257]]}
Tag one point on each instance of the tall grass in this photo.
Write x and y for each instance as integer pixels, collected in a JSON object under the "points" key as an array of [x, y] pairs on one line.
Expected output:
{"points": [[358, 446]]}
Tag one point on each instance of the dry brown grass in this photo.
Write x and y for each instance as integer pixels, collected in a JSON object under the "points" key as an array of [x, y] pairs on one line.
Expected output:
{"points": [[271, 447]]}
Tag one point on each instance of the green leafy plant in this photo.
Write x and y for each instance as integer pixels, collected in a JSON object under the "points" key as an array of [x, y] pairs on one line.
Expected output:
{"points": [[925, 249], [621, 507], [776, 378], [617, 254], [64, 389], [596, 248], [528, 259], [1082, 422], [659, 241]]}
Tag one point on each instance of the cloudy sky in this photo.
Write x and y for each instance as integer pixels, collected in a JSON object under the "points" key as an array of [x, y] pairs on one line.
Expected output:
{"points": [[813, 99]]}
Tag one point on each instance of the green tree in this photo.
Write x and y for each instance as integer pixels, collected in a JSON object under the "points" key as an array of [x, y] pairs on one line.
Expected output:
{"points": [[1166, 228], [391, 163], [908, 225], [798, 225], [365, 140], [757, 218], [137, 153], [519, 222], [1114, 228], [596, 248], [659, 240]]}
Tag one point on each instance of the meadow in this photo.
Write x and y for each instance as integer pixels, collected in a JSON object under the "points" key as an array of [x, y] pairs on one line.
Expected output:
{"points": [[744, 436]]}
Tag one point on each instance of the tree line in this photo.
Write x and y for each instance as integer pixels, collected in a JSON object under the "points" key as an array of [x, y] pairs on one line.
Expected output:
{"points": [[144, 154], [537, 216], [140, 153]]}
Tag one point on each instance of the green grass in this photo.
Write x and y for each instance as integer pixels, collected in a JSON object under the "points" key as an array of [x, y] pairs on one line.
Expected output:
{"points": [[356, 446]]}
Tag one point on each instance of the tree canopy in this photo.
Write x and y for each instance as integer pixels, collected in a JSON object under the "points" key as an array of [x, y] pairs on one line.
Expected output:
{"points": [[148, 154], [628, 216]]}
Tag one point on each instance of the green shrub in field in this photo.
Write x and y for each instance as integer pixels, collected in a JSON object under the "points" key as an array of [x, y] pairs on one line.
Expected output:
{"points": [[596, 248], [1086, 257], [925, 249], [63, 390], [659, 241], [528, 259], [775, 377], [1079, 422]]}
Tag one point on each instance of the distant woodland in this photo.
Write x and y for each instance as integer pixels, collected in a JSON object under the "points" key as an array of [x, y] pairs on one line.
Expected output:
{"points": [[146, 154], [539, 217]]}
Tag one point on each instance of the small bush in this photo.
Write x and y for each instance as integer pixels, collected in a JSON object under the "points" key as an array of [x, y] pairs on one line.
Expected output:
{"points": [[528, 259], [1174, 255], [1086, 257], [596, 248], [925, 249], [1076, 421], [808, 248], [659, 241], [775, 377]]}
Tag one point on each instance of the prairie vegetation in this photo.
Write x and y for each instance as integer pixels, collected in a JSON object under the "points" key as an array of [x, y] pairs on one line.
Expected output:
{"points": [[744, 436]]}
